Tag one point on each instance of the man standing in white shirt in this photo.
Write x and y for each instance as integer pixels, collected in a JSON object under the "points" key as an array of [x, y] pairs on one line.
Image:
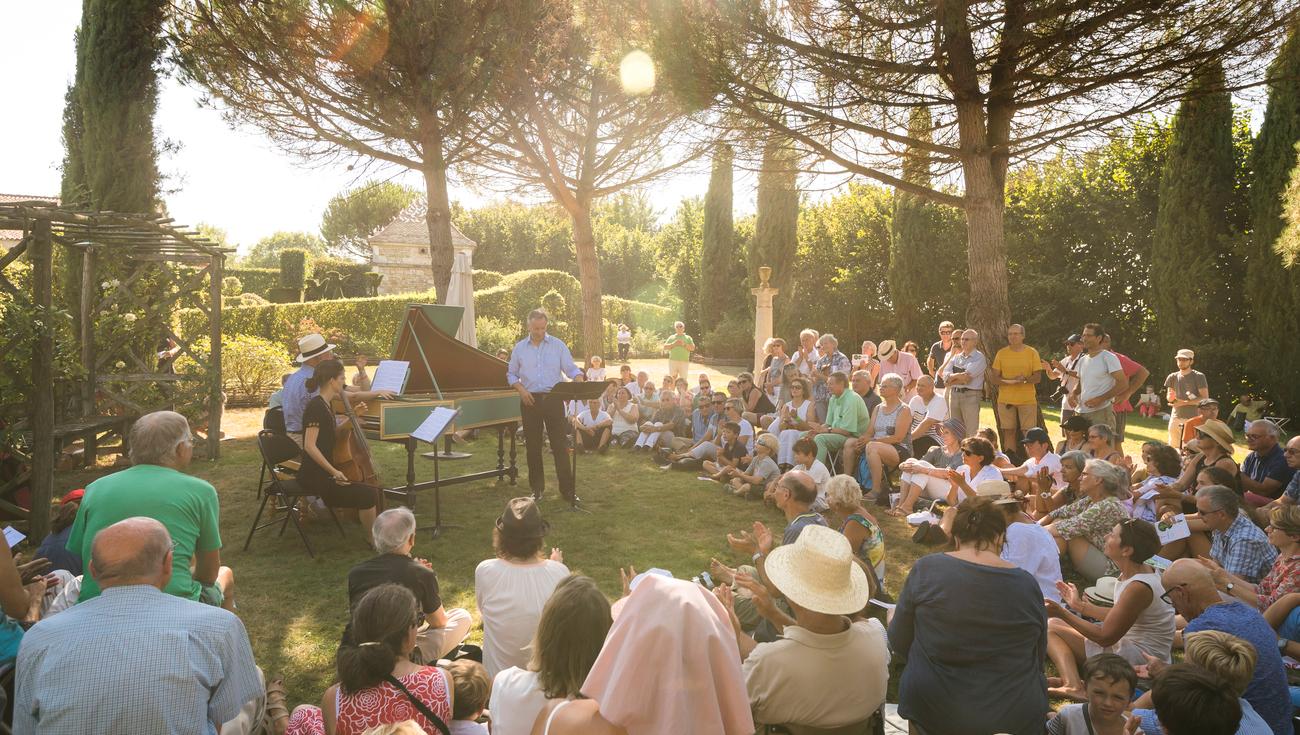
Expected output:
{"points": [[963, 374], [1101, 379]]}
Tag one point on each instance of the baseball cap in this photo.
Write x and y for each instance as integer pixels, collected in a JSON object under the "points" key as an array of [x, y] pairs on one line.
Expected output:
{"points": [[1038, 435], [1073, 339]]}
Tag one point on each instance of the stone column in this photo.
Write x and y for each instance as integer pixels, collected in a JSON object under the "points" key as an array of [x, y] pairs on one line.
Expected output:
{"points": [[762, 314]]}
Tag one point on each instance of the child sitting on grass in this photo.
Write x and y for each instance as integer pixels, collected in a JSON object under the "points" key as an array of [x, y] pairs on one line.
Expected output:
{"points": [[805, 458], [761, 470], [1110, 682], [472, 688], [730, 454]]}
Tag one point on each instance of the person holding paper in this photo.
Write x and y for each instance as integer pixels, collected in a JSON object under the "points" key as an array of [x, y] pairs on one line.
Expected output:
{"points": [[537, 363], [318, 476]]}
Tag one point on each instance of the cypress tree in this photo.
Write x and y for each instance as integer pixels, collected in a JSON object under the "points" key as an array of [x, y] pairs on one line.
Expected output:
{"points": [[1274, 288], [776, 221], [718, 256], [1194, 285]]}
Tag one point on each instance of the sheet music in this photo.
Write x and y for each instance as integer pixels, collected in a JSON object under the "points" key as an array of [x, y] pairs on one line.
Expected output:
{"points": [[437, 422], [391, 375], [13, 536]]}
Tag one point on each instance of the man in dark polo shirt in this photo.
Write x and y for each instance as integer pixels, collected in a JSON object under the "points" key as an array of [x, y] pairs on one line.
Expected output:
{"points": [[394, 534], [1264, 473]]}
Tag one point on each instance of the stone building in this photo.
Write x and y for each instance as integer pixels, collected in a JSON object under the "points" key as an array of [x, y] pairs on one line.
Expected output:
{"points": [[401, 251]]}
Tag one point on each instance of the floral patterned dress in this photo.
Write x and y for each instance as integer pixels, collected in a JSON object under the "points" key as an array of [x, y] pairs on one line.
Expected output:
{"points": [[380, 705]]}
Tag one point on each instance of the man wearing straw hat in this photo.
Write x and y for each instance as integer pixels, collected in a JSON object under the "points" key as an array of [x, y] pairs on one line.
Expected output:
{"points": [[802, 679], [312, 351]]}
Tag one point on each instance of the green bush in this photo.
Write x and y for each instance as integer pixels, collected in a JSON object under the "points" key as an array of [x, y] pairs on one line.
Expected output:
{"points": [[352, 273], [486, 279], [231, 286], [733, 338], [494, 335], [646, 343], [293, 268], [255, 280], [251, 367]]}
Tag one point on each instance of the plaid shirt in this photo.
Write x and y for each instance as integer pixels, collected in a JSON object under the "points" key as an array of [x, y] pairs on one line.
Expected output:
{"points": [[134, 660], [1282, 579], [1243, 549], [837, 362]]}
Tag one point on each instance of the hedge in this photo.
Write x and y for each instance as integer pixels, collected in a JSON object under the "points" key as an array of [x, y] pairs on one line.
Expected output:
{"points": [[255, 280], [484, 280], [371, 323]]}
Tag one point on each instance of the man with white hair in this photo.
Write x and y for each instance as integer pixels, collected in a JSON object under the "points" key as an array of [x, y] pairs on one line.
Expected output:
{"points": [[135, 660], [156, 486], [679, 347], [831, 361], [1264, 472], [394, 534], [963, 374]]}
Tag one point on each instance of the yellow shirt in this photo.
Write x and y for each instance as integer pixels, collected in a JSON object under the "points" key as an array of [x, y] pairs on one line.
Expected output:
{"points": [[1022, 364]]}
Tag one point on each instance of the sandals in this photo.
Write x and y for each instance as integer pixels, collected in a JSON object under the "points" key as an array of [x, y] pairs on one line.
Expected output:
{"points": [[277, 714]]}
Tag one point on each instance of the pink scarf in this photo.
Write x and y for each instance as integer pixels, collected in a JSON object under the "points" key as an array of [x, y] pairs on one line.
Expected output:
{"points": [[670, 664]]}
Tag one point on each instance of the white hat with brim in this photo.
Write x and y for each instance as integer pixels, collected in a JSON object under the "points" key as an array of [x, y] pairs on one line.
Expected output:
{"points": [[312, 345], [818, 573], [993, 489], [1218, 432]]}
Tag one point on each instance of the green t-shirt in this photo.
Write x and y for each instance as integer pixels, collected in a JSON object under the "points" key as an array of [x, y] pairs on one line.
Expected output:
{"points": [[186, 505], [849, 412], [679, 353]]}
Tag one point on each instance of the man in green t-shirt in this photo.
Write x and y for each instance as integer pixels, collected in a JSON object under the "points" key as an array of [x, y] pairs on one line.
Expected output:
{"points": [[156, 487], [679, 347], [846, 416]]}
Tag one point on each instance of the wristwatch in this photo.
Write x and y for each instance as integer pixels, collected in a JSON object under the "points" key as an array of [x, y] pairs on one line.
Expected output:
{"points": [[1281, 644], [1228, 588]]}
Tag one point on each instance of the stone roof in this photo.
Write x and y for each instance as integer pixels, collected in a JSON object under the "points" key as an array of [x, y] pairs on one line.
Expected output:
{"points": [[16, 235], [410, 228]]}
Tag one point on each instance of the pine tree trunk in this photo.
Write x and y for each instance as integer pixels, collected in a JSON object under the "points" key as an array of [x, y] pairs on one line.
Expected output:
{"points": [[438, 220], [584, 245], [989, 311]]}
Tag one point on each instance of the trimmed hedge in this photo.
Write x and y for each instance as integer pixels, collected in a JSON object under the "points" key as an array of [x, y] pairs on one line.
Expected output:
{"points": [[255, 280], [484, 280], [371, 323], [293, 268]]}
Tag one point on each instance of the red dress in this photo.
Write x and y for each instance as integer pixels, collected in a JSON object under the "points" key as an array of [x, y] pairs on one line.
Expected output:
{"points": [[380, 705]]}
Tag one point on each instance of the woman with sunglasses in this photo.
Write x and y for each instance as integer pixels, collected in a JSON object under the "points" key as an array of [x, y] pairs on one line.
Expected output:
{"points": [[792, 420], [1080, 528], [1075, 430], [1140, 625], [757, 405]]}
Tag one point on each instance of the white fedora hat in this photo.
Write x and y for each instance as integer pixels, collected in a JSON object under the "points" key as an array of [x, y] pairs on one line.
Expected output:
{"points": [[311, 345], [817, 572]]}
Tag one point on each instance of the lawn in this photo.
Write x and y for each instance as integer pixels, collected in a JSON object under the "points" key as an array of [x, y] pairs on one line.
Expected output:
{"points": [[295, 607]]}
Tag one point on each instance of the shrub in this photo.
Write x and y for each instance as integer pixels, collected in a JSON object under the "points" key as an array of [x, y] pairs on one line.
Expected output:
{"points": [[494, 335], [231, 286], [484, 280], [646, 343], [255, 280], [293, 268], [733, 338], [251, 367]]}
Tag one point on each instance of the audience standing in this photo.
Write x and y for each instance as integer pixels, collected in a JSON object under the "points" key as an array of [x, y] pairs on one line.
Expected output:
{"points": [[1137, 376], [1016, 371], [900, 363], [1101, 379], [679, 348], [939, 352], [963, 376], [1185, 388]]}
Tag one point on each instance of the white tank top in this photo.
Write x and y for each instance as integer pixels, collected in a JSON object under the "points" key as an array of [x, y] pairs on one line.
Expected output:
{"points": [[1153, 631]]}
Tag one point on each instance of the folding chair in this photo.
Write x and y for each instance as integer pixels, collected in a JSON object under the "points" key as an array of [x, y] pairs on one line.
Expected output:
{"points": [[277, 481]]}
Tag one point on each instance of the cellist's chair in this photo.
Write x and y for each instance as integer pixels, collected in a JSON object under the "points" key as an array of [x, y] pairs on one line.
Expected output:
{"points": [[277, 481]]}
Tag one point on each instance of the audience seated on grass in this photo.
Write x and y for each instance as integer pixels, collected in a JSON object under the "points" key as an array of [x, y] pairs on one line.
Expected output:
{"points": [[625, 417], [1192, 701], [858, 525], [1028, 545], [1040, 460], [55, 546], [972, 631], [1234, 541], [593, 427], [1226, 657], [156, 486], [512, 588], [1212, 448], [759, 473], [927, 477], [805, 460], [569, 636], [977, 457], [394, 534], [1075, 429], [1081, 528], [1138, 626], [1193, 594], [1048, 498], [132, 656], [1265, 472], [29, 592], [471, 688], [793, 420], [668, 632], [800, 679], [667, 422], [707, 446], [732, 453], [378, 683], [1109, 683], [846, 416], [929, 409], [1161, 465], [886, 439]]}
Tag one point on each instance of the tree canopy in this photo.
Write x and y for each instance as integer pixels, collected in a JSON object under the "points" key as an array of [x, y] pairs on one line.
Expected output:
{"points": [[352, 216], [265, 253]]}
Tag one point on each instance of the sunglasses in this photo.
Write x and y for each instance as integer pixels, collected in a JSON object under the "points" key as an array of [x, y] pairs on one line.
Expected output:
{"points": [[967, 452]]}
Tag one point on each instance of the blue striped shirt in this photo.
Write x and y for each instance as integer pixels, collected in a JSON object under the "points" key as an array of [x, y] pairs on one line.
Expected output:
{"points": [[134, 660], [539, 367]]}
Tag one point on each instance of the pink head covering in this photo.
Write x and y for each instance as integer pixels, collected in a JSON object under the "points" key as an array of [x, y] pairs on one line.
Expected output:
{"points": [[670, 664]]}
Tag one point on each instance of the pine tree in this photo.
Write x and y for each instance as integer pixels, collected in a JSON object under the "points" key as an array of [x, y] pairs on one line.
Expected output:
{"points": [[1195, 282], [718, 256], [1273, 288], [111, 161], [927, 283], [776, 222]]}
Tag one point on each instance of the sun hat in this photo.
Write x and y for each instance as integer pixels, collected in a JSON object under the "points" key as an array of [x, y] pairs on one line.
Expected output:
{"points": [[955, 425], [1077, 422], [887, 348], [817, 572], [769, 441], [1219, 432], [1038, 434], [311, 345], [1185, 354], [993, 489], [1103, 590], [522, 519]]}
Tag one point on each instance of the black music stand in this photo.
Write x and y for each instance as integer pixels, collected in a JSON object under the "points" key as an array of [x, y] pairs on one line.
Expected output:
{"points": [[438, 525], [578, 390]]}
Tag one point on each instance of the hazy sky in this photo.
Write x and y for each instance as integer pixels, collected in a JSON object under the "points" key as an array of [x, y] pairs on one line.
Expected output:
{"points": [[234, 179]]}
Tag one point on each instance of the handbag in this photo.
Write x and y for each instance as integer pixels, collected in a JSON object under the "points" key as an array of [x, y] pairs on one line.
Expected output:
{"points": [[421, 706]]}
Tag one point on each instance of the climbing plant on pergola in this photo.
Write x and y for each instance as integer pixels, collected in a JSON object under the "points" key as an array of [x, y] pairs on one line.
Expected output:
{"points": [[65, 385]]}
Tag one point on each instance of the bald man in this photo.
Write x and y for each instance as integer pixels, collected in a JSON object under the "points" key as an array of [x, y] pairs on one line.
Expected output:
{"points": [[1190, 587], [963, 374], [134, 659]]}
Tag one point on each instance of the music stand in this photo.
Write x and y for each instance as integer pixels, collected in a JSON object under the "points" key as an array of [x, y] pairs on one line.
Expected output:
{"points": [[429, 434], [578, 390]]}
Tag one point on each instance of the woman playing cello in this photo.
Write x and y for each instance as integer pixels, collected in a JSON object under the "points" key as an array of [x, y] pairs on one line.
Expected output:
{"points": [[319, 476]]}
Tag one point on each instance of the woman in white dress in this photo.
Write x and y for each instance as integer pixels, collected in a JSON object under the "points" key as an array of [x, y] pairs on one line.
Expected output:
{"points": [[1140, 624], [793, 418]]}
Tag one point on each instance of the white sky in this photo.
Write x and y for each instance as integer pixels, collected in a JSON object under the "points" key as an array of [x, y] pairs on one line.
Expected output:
{"points": [[233, 179]]}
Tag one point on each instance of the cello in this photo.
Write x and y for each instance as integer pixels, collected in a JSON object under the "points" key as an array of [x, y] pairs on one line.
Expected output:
{"points": [[352, 454]]}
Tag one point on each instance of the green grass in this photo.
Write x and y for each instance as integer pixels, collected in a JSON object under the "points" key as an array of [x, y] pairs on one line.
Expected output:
{"points": [[295, 607]]}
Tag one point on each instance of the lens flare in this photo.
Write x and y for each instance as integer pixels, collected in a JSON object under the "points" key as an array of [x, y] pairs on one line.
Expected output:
{"points": [[637, 73]]}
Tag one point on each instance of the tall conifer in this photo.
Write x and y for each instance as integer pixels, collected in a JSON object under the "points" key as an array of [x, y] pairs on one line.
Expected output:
{"points": [[776, 221], [718, 258]]}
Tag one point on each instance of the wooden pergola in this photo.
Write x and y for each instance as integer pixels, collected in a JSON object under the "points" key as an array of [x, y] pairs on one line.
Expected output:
{"points": [[108, 394]]}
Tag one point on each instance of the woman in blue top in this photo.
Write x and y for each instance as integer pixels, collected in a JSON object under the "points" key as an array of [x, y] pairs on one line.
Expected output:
{"points": [[973, 632]]}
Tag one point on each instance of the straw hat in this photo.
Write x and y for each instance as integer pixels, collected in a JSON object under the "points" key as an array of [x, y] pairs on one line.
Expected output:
{"points": [[769, 441], [887, 348], [310, 346], [1219, 432], [1185, 354], [993, 489], [817, 572]]}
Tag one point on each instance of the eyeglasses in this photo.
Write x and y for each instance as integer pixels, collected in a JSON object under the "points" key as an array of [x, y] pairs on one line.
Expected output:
{"points": [[1291, 451], [967, 452], [967, 339], [1165, 596]]}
